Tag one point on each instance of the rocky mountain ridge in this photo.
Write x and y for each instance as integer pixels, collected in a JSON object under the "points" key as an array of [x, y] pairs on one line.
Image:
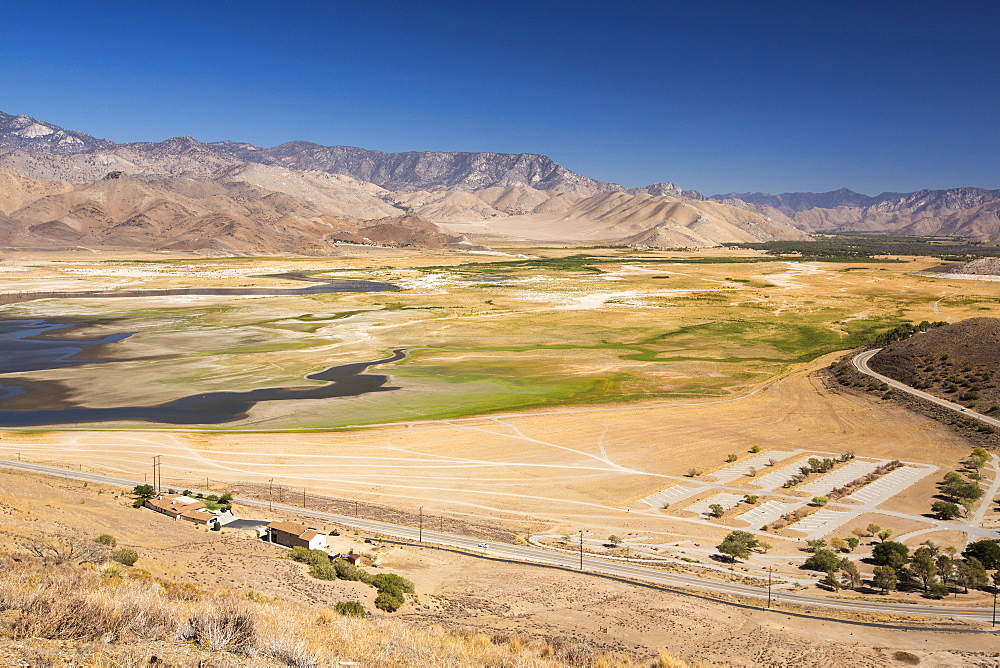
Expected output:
{"points": [[465, 188]]}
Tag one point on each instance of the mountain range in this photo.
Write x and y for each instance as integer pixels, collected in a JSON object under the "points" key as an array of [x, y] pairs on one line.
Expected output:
{"points": [[55, 191]]}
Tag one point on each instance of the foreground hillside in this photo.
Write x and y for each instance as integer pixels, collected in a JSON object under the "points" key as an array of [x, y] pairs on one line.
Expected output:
{"points": [[956, 362], [201, 598]]}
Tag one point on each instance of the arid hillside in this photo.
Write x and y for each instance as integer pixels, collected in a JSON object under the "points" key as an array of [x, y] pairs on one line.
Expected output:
{"points": [[231, 214], [956, 362]]}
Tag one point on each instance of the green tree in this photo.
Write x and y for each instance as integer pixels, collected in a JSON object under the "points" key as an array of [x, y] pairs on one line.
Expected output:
{"points": [[884, 578], [890, 553], [853, 542], [814, 544], [945, 510], [614, 540], [946, 567], [819, 501], [831, 581], [937, 589], [851, 576], [962, 489], [716, 510], [144, 491], [923, 567], [838, 544], [884, 535], [738, 544], [873, 529], [986, 550], [971, 573], [822, 560], [978, 458]]}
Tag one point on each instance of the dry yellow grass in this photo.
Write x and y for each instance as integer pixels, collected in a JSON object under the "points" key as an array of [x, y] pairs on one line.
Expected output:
{"points": [[117, 608]]}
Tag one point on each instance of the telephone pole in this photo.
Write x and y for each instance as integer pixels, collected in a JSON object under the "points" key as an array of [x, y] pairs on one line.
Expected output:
{"points": [[420, 534], [156, 465], [581, 549], [270, 507], [995, 589], [769, 569]]}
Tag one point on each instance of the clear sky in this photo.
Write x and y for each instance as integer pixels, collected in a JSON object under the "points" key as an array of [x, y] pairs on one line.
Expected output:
{"points": [[718, 96]]}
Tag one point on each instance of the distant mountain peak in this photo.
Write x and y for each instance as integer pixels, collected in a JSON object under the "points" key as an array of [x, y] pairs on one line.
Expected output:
{"points": [[30, 134]]}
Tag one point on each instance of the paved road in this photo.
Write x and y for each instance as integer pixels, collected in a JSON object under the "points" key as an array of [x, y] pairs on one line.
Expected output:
{"points": [[533, 555], [861, 364]]}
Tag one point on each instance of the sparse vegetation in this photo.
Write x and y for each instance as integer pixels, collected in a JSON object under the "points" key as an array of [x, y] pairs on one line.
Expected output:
{"points": [[106, 539], [391, 587]]}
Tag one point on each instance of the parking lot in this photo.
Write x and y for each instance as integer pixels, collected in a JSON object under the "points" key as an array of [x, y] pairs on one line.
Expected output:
{"points": [[890, 484], [848, 473], [725, 500], [758, 462], [767, 512], [670, 495]]}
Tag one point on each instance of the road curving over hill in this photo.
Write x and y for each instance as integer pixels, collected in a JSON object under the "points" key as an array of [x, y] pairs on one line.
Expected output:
{"points": [[861, 364], [590, 564]]}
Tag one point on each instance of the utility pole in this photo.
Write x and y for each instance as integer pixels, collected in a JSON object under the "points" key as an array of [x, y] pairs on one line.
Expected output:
{"points": [[581, 549], [156, 464], [769, 569], [995, 589], [420, 535], [270, 507], [303, 497], [356, 509]]}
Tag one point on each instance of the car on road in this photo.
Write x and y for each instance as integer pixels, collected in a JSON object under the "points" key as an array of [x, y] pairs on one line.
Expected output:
{"points": [[963, 410], [484, 545]]}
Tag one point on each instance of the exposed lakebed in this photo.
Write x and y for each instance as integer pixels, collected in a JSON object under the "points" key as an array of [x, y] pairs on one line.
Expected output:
{"points": [[320, 286], [35, 344]]}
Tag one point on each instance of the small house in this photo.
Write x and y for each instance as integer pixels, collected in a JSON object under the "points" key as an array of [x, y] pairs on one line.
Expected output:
{"points": [[174, 505], [293, 534]]}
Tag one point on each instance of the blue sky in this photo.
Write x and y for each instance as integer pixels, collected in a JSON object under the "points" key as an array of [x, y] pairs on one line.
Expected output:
{"points": [[717, 96]]}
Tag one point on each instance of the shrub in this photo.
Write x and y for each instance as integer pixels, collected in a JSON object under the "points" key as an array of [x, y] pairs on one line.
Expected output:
{"points": [[306, 556], [126, 556], [388, 602], [348, 571], [716, 510], [732, 458], [322, 571], [755, 449], [390, 582], [106, 539], [350, 609]]}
